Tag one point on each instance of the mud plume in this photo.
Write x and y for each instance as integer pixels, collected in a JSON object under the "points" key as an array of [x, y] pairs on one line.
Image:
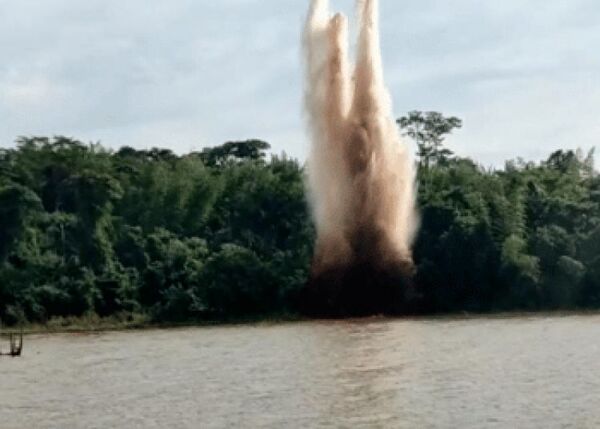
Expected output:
{"points": [[360, 176]]}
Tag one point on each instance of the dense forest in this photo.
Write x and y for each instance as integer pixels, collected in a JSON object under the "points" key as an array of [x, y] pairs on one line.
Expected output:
{"points": [[225, 233]]}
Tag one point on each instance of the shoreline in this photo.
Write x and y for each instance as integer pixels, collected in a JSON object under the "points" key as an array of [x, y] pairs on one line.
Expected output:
{"points": [[98, 325]]}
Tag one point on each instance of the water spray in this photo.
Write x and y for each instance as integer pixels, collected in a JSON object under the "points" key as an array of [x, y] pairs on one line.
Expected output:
{"points": [[361, 178]]}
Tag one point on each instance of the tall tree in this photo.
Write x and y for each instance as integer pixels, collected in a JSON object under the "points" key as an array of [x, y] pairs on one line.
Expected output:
{"points": [[429, 130]]}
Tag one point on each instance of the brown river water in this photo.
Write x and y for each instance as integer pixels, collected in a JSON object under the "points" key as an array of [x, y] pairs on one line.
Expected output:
{"points": [[531, 372]]}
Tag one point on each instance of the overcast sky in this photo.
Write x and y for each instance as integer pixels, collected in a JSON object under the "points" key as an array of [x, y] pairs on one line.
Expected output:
{"points": [[524, 75]]}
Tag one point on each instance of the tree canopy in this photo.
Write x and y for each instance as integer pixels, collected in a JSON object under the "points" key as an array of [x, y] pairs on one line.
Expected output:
{"points": [[226, 233]]}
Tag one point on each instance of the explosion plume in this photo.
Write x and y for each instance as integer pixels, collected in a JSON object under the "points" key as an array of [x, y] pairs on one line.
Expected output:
{"points": [[361, 177]]}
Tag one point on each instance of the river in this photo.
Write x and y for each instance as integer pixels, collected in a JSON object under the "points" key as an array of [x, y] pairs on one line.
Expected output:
{"points": [[528, 372]]}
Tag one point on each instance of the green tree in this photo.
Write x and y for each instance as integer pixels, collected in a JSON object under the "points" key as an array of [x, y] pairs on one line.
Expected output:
{"points": [[429, 130], [234, 152]]}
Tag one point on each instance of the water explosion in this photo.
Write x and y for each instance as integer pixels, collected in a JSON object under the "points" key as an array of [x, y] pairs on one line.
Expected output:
{"points": [[361, 178]]}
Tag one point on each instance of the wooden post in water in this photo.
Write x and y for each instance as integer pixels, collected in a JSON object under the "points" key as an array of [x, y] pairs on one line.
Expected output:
{"points": [[16, 344], [16, 347]]}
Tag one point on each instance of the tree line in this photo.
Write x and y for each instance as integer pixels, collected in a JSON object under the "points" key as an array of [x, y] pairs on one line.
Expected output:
{"points": [[225, 233]]}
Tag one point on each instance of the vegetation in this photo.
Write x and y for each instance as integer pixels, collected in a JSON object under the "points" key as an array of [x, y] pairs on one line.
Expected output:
{"points": [[225, 233]]}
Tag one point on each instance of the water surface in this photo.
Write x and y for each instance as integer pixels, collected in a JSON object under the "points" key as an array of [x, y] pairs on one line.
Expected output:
{"points": [[520, 372]]}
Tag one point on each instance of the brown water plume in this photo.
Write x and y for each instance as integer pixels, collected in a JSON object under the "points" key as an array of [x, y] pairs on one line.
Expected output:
{"points": [[361, 177]]}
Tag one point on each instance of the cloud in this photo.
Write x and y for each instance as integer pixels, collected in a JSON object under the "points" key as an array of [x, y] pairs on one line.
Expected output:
{"points": [[185, 74]]}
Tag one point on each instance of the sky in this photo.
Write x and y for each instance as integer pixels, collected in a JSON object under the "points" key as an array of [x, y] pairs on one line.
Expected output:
{"points": [[524, 75]]}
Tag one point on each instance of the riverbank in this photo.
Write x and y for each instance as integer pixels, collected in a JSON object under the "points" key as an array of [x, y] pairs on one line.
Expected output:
{"points": [[130, 322]]}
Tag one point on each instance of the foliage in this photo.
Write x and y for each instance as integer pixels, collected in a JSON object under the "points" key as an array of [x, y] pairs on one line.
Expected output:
{"points": [[429, 130], [86, 231], [225, 233]]}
